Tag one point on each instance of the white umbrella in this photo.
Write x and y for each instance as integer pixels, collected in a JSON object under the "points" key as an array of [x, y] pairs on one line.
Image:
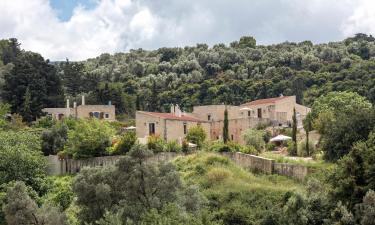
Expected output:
{"points": [[280, 138], [245, 109], [192, 145], [130, 128]]}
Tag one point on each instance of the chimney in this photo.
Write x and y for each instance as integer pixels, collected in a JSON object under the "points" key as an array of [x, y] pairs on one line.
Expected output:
{"points": [[178, 112], [109, 102], [75, 104], [172, 109], [83, 100], [67, 104]]}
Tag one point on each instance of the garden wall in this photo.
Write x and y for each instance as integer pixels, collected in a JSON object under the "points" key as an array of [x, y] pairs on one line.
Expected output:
{"points": [[71, 166], [268, 166]]}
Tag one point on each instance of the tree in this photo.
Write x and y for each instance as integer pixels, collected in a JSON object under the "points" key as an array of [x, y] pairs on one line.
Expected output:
{"points": [[21, 209], [26, 112], [34, 80], [294, 133], [89, 138], [53, 140], [128, 140], [196, 135], [225, 128], [73, 77], [134, 187], [247, 42], [255, 138], [308, 126], [21, 159], [365, 211], [353, 176]]}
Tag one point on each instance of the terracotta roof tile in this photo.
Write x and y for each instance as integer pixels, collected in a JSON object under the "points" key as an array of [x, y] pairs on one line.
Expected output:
{"points": [[173, 117], [266, 100]]}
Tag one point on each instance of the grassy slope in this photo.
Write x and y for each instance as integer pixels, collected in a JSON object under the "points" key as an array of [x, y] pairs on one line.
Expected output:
{"points": [[235, 195]]}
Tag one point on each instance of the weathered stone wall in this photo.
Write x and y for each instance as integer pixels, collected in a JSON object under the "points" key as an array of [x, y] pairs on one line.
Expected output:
{"points": [[268, 166], [290, 170], [251, 162], [71, 166]]}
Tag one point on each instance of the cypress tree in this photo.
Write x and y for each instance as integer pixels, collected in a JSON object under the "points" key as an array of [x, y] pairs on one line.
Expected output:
{"points": [[225, 128], [294, 132]]}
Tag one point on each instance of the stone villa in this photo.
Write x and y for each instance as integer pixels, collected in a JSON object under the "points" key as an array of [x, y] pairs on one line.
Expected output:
{"points": [[106, 112], [276, 112]]}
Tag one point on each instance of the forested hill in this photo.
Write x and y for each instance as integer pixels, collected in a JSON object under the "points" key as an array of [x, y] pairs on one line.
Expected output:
{"points": [[242, 71]]}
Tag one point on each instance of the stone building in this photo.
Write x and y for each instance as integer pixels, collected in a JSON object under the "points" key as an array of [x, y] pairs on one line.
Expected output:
{"points": [[173, 126], [105, 112]]}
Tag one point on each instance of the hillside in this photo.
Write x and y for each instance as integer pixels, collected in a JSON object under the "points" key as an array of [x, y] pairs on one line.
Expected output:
{"points": [[243, 71]]}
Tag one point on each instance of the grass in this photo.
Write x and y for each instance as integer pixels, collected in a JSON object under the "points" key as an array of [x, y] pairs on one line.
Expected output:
{"points": [[298, 161], [235, 195]]}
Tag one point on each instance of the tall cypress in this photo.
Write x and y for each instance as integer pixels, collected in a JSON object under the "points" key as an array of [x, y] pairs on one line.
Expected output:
{"points": [[225, 128], [294, 132]]}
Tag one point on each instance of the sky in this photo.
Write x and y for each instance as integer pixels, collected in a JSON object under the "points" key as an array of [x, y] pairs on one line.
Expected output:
{"points": [[81, 29]]}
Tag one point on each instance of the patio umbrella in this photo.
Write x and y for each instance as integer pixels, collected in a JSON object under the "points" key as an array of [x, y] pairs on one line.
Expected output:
{"points": [[280, 138]]}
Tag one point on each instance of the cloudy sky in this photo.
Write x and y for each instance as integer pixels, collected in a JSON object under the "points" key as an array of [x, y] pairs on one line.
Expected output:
{"points": [[80, 29]]}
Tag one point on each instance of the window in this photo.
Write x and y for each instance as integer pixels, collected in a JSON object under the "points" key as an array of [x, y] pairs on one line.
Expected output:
{"points": [[248, 113], [185, 128], [208, 117], [259, 113], [151, 128], [231, 137], [106, 115], [95, 114]]}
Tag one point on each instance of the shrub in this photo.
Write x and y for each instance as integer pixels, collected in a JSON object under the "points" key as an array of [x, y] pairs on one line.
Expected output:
{"points": [[217, 174], [53, 140], [45, 122], [173, 146], [249, 150], [255, 138], [270, 146], [155, 143], [302, 148], [196, 135], [126, 143], [89, 138]]}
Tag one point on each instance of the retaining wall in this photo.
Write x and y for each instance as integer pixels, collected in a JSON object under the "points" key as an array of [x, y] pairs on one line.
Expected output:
{"points": [[268, 166], [71, 166], [247, 161]]}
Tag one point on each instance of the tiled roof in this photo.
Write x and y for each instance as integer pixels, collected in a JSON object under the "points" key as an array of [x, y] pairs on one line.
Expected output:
{"points": [[266, 100], [173, 117]]}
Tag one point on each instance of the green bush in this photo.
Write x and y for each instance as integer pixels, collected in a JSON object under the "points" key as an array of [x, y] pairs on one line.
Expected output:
{"points": [[270, 146], [155, 143], [255, 138], [173, 146], [126, 142], [89, 138], [45, 122], [196, 135], [302, 148]]}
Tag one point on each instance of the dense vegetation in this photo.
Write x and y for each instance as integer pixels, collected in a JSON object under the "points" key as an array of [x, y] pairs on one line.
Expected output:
{"points": [[202, 188], [151, 80]]}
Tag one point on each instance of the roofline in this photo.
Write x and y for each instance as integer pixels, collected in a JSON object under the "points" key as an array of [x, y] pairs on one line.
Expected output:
{"points": [[180, 118]]}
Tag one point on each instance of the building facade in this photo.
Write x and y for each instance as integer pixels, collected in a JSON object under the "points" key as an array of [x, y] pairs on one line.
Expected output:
{"points": [[170, 126], [174, 126], [105, 112]]}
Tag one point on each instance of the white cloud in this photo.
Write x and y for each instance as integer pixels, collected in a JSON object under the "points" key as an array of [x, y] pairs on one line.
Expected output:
{"points": [[119, 25], [362, 18]]}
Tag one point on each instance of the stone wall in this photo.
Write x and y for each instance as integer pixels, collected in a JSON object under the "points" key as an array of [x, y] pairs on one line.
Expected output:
{"points": [[71, 166], [268, 166], [251, 162], [290, 170]]}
